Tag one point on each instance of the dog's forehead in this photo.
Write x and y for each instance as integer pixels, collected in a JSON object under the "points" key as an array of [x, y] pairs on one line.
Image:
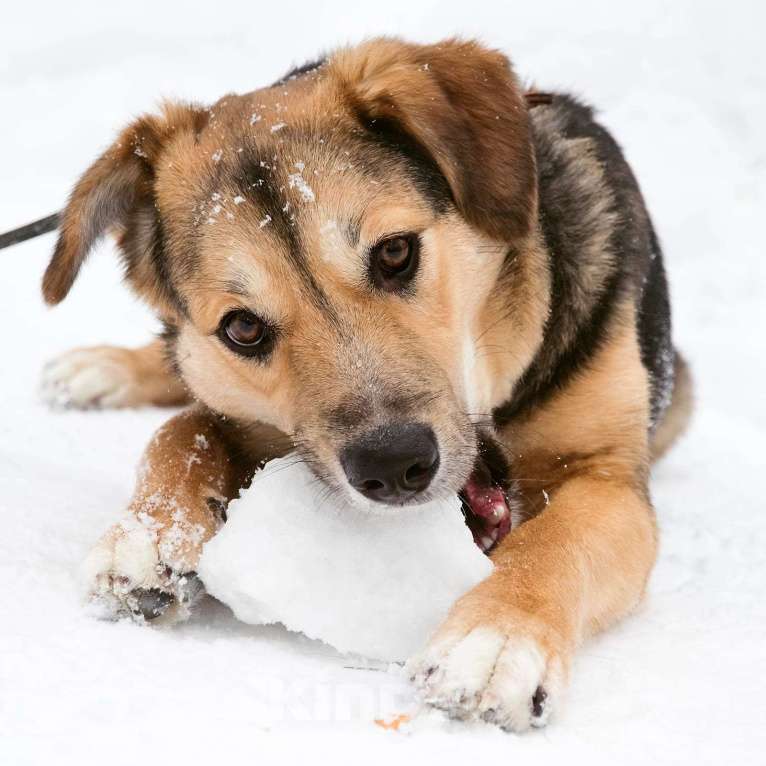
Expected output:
{"points": [[285, 182], [282, 148], [289, 194], [271, 172], [277, 211], [279, 179], [268, 110]]}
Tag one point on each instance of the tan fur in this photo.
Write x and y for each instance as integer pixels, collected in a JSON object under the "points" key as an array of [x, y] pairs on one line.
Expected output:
{"points": [[184, 467], [150, 379], [186, 477]]}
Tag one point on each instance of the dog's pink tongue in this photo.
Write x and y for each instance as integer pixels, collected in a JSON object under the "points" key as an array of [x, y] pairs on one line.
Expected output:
{"points": [[492, 516]]}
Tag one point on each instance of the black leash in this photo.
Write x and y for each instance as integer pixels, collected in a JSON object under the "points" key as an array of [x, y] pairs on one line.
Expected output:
{"points": [[30, 231]]}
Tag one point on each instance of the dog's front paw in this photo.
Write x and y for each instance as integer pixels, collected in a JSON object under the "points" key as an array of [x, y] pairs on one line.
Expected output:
{"points": [[103, 376], [505, 671], [123, 575]]}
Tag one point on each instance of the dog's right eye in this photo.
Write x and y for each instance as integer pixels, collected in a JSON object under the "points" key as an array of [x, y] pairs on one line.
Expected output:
{"points": [[245, 333]]}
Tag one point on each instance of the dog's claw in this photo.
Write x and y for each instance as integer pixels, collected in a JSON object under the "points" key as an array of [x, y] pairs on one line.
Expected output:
{"points": [[190, 587], [150, 603], [489, 715], [538, 702]]}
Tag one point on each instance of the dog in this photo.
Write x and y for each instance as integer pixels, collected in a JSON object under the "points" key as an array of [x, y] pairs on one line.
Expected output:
{"points": [[426, 281]]}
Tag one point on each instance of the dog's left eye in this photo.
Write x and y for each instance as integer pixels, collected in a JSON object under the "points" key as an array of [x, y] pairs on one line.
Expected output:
{"points": [[245, 333], [394, 261]]}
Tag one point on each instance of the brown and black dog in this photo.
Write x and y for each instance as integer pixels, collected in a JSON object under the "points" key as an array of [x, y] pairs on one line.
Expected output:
{"points": [[427, 282]]}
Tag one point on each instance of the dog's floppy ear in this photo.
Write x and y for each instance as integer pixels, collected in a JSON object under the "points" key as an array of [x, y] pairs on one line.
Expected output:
{"points": [[462, 104], [116, 193]]}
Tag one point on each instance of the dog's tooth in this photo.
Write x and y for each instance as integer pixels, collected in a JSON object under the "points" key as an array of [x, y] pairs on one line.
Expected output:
{"points": [[487, 542]]}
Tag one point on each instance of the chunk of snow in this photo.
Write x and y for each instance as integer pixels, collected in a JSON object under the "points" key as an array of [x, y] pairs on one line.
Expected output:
{"points": [[297, 181], [375, 584]]}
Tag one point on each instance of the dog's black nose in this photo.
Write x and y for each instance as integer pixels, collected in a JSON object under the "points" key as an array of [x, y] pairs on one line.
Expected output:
{"points": [[392, 464]]}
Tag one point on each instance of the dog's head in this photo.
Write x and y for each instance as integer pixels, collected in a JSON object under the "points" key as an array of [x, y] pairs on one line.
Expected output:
{"points": [[347, 255]]}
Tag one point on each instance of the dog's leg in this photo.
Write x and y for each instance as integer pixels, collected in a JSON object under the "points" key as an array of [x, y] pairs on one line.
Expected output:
{"points": [[108, 376], [144, 565], [504, 652], [580, 563]]}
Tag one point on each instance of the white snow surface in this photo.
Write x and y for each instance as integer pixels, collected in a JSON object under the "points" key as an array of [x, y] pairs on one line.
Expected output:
{"points": [[372, 584], [683, 86]]}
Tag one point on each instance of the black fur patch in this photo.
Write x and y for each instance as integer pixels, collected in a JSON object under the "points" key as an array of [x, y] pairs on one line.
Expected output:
{"points": [[144, 244], [169, 337], [388, 134], [492, 456], [159, 259], [654, 333], [254, 178], [541, 380], [582, 307], [257, 180], [299, 71]]}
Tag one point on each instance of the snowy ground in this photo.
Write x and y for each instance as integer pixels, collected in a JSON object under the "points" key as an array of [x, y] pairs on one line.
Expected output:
{"points": [[682, 682]]}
